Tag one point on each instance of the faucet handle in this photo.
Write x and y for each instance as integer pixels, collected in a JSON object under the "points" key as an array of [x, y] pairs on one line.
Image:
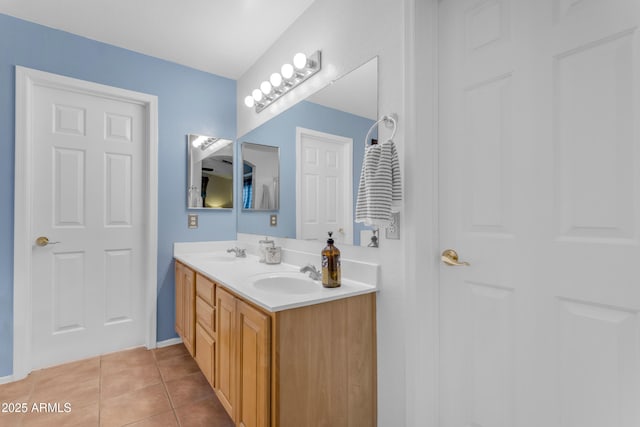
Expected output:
{"points": [[241, 253], [314, 273]]}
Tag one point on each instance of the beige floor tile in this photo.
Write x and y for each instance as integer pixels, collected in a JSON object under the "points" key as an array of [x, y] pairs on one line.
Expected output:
{"points": [[17, 391], [205, 413], [177, 367], [126, 359], [189, 389], [126, 354], [134, 406], [170, 351], [133, 388], [12, 419], [69, 373], [128, 380], [166, 419], [86, 416], [77, 394]]}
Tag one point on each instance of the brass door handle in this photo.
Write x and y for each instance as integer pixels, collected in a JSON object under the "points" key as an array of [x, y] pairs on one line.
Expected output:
{"points": [[450, 257], [44, 241]]}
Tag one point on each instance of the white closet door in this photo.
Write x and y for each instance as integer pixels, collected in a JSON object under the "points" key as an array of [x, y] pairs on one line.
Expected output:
{"points": [[88, 174], [540, 193]]}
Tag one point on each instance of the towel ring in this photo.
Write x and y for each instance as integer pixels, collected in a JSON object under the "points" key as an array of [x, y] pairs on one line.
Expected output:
{"points": [[390, 121]]}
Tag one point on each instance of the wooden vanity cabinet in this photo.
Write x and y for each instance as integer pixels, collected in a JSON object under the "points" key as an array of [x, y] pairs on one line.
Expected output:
{"points": [[324, 364], [206, 334], [225, 381], [185, 305], [307, 366], [253, 365]]}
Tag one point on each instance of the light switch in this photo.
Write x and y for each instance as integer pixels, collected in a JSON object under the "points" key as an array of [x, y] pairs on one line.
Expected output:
{"points": [[273, 220], [192, 221]]}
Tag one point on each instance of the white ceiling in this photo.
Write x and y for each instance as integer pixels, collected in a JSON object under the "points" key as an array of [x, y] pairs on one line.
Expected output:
{"points": [[223, 37]]}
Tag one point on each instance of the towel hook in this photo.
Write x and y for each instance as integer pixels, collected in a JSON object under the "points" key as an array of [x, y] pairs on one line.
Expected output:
{"points": [[390, 120]]}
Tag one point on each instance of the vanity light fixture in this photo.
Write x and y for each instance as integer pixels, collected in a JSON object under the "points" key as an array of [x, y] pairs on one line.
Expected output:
{"points": [[288, 78], [205, 143]]}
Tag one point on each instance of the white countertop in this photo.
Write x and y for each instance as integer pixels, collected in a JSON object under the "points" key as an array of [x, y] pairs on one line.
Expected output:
{"points": [[236, 273]]}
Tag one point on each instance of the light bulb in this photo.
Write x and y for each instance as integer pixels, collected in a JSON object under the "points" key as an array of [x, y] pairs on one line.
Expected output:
{"points": [[265, 87], [257, 95], [249, 101], [300, 61], [276, 79], [287, 71], [198, 141]]}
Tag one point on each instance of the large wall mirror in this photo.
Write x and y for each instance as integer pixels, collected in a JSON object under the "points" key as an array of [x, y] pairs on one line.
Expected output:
{"points": [[260, 177], [321, 148], [209, 172]]}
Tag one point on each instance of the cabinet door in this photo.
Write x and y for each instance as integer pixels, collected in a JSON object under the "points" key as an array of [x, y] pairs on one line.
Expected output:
{"points": [[179, 285], [205, 353], [253, 344], [225, 374], [189, 302]]}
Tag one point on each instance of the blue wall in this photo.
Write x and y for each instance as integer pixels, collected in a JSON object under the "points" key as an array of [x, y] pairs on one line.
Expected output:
{"points": [[189, 101], [280, 131]]}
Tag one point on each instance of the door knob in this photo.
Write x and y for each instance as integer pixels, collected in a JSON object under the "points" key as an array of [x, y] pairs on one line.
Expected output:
{"points": [[44, 241], [450, 257]]}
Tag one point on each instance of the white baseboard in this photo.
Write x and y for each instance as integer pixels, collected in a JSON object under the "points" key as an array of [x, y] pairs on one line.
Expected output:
{"points": [[167, 343], [7, 379]]}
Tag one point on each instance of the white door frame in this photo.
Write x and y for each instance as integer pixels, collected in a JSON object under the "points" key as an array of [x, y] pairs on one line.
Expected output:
{"points": [[421, 245], [347, 148], [26, 80]]}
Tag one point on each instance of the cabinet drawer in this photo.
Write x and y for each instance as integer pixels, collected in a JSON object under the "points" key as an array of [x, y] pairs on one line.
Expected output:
{"points": [[205, 289], [205, 315]]}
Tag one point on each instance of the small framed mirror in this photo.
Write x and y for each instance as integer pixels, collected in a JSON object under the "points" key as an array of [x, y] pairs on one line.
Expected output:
{"points": [[210, 172], [260, 177]]}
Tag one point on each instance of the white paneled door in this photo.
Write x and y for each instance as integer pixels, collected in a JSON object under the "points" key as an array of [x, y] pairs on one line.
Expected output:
{"points": [[324, 186], [540, 194], [88, 175]]}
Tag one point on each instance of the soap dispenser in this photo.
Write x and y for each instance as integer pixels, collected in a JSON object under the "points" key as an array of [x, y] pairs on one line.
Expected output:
{"points": [[264, 244], [330, 265]]}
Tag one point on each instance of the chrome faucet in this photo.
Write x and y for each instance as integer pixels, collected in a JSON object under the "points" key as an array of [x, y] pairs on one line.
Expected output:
{"points": [[314, 274], [240, 253]]}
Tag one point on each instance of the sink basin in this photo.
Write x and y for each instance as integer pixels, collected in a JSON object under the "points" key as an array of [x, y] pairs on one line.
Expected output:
{"points": [[285, 282]]}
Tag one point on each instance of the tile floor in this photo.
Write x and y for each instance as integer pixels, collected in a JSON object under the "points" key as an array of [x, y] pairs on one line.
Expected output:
{"points": [[137, 388]]}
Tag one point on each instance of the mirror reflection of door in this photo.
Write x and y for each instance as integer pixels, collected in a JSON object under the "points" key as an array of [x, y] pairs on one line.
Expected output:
{"points": [[248, 171], [260, 177], [324, 186]]}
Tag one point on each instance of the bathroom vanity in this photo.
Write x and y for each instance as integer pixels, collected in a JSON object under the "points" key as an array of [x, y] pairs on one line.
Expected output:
{"points": [[277, 348]]}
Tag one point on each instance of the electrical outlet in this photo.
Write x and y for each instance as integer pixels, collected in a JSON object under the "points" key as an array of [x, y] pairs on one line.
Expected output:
{"points": [[273, 220], [192, 221], [393, 229]]}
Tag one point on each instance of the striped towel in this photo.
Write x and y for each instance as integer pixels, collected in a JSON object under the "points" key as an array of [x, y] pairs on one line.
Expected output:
{"points": [[380, 185]]}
